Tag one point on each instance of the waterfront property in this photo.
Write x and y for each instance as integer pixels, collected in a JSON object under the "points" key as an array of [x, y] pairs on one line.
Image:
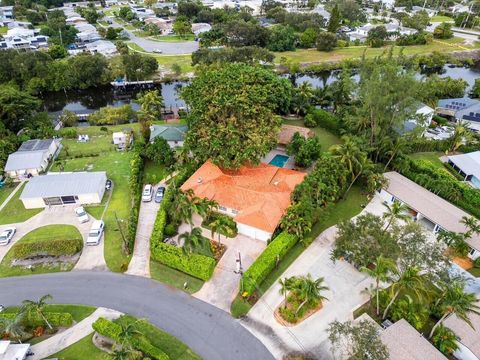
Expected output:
{"points": [[461, 109], [467, 165], [64, 188], [31, 158], [255, 196], [174, 135], [430, 210]]}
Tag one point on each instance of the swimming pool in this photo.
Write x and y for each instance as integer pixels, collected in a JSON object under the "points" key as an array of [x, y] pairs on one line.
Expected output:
{"points": [[279, 160]]}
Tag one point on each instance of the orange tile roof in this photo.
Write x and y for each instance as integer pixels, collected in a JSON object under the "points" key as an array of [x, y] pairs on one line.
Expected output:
{"points": [[287, 132], [260, 193]]}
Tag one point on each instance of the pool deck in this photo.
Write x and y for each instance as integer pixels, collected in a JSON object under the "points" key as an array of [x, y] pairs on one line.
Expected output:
{"points": [[290, 164]]}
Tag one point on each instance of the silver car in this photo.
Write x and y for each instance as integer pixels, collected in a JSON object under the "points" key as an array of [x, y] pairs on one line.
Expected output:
{"points": [[7, 235]]}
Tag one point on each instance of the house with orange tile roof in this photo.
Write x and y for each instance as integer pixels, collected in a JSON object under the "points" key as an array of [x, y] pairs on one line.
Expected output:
{"points": [[255, 196]]}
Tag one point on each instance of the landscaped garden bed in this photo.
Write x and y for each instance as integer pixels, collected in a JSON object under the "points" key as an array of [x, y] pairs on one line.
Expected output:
{"points": [[50, 248]]}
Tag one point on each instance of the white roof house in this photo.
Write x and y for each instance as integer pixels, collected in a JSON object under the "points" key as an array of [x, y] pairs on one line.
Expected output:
{"points": [[64, 188], [468, 165], [429, 209], [9, 351], [468, 337]]}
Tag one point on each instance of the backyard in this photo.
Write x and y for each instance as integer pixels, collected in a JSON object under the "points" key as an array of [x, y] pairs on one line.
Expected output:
{"points": [[431, 157], [14, 211], [55, 241], [327, 139]]}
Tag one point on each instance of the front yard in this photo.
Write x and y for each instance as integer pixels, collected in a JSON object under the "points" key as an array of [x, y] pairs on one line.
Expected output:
{"points": [[175, 278], [14, 211]]}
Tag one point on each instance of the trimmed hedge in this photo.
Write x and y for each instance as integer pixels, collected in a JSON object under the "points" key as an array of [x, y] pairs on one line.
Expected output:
{"points": [[55, 247], [325, 120], [197, 265], [34, 320], [135, 185], [265, 263], [112, 330]]}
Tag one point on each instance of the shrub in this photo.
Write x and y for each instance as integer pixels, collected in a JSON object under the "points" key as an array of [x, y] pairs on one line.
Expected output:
{"points": [[107, 328], [266, 262], [49, 247], [170, 230], [309, 121], [342, 43], [326, 120], [68, 133], [135, 185], [326, 41], [476, 263], [33, 320], [196, 265]]}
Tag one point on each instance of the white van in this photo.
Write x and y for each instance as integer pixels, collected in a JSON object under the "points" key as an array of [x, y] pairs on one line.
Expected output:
{"points": [[147, 193], [96, 232]]}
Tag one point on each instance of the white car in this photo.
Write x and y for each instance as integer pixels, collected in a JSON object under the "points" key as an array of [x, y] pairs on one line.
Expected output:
{"points": [[82, 215], [147, 193], [7, 235], [157, 51], [96, 231]]}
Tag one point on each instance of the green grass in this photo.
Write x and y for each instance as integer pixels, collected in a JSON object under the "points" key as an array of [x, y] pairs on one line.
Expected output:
{"points": [[153, 173], [174, 348], [173, 38], [174, 277], [327, 139], [6, 191], [44, 233], [431, 157], [15, 212], [3, 30], [342, 210], [82, 350], [117, 166], [440, 18], [78, 312], [474, 271], [314, 56]]}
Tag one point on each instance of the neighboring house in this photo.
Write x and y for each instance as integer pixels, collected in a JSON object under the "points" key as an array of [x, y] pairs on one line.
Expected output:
{"points": [[23, 39], [104, 47], [174, 135], [198, 28], [361, 32], [9, 351], [423, 117], [255, 196], [461, 109], [31, 158], [121, 138], [430, 210], [406, 343], [467, 165], [468, 337], [287, 132], [64, 188], [165, 25]]}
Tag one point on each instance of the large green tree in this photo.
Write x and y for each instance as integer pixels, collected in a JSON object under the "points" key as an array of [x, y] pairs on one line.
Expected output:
{"points": [[232, 119], [15, 106]]}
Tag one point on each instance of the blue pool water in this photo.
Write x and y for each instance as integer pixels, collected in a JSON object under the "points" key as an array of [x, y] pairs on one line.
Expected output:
{"points": [[279, 160]]}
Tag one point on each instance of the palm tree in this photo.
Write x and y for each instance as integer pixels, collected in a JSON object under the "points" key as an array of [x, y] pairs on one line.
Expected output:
{"points": [[192, 240], [13, 327], [460, 134], [183, 206], [295, 222], [128, 332], [221, 224], [410, 281], [151, 104], [382, 272], [203, 207], [308, 289], [472, 224], [394, 150], [303, 98], [445, 340], [456, 301], [285, 287], [395, 211], [37, 307]]}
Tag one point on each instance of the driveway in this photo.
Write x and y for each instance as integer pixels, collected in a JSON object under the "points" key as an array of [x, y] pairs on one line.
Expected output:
{"points": [[140, 263], [210, 332], [91, 257]]}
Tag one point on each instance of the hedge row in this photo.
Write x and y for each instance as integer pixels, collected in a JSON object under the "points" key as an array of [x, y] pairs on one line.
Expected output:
{"points": [[266, 262], [56, 247], [34, 320], [112, 330], [135, 185], [197, 265]]}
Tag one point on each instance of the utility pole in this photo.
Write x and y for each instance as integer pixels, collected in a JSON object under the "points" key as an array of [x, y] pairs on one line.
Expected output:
{"points": [[238, 265]]}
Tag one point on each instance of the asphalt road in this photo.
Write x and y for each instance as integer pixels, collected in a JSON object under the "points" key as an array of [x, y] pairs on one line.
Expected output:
{"points": [[209, 331]]}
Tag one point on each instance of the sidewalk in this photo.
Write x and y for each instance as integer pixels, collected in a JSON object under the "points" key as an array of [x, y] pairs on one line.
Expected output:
{"points": [[70, 336]]}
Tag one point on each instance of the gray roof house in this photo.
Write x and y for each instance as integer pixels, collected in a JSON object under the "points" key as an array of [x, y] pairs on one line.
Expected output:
{"points": [[468, 337], [32, 157], [461, 109], [174, 135], [468, 165], [63, 189]]}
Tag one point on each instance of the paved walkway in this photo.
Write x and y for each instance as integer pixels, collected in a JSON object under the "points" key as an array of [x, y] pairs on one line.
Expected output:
{"points": [[224, 285], [346, 292], [70, 336], [140, 263], [5, 202]]}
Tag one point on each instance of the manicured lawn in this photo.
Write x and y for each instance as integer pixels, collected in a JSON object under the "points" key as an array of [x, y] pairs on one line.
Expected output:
{"points": [[78, 312], [5, 192], [339, 54], [174, 348], [327, 139], [174, 277], [15, 212], [174, 38], [3, 30], [45, 233], [440, 18], [154, 172], [82, 350], [431, 157], [474, 271], [343, 210]]}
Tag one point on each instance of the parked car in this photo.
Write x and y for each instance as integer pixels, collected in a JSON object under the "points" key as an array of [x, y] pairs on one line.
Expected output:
{"points": [[96, 232], [159, 194], [108, 184], [82, 215], [7, 235], [147, 193], [2, 307], [157, 51]]}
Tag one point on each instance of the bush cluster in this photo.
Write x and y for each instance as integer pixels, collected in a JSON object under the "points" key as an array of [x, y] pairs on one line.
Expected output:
{"points": [[324, 119], [266, 262], [33, 320], [49, 247], [135, 185], [112, 330]]}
